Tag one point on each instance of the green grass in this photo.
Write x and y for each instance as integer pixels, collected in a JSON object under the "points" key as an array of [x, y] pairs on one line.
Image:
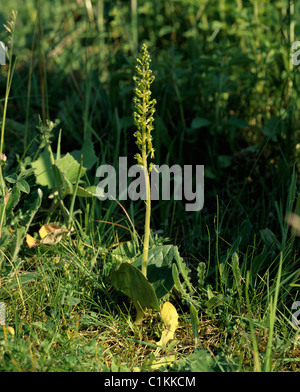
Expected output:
{"points": [[227, 97]]}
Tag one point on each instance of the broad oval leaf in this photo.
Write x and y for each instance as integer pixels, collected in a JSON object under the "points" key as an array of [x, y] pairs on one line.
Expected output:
{"points": [[44, 171], [129, 280]]}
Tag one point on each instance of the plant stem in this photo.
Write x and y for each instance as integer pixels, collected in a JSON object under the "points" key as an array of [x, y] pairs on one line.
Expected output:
{"points": [[147, 223], [147, 202]]}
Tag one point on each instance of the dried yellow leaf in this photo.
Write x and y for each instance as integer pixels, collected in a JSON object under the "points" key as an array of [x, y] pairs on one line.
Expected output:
{"points": [[169, 317], [47, 229], [50, 235], [43, 232], [31, 242]]}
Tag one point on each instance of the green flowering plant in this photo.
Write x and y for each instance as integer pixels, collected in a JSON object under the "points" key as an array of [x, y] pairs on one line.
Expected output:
{"points": [[143, 118], [146, 288]]}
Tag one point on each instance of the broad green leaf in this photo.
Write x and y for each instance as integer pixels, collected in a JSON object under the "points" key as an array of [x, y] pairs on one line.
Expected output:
{"points": [[69, 168], [159, 268], [88, 152], [44, 171], [129, 280]]}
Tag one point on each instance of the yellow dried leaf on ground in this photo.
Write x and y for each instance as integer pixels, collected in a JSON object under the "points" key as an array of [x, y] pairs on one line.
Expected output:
{"points": [[169, 317], [50, 235], [47, 229], [43, 231], [31, 242]]}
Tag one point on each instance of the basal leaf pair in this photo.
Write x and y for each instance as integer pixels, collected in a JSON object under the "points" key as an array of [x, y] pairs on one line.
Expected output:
{"points": [[146, 292]]}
